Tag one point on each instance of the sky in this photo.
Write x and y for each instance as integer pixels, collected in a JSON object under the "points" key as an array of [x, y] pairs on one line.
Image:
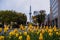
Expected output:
{"points": [[23, 5]]}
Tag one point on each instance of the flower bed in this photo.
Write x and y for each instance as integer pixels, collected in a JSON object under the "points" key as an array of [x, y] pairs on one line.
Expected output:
{"points": [[30, 33]]}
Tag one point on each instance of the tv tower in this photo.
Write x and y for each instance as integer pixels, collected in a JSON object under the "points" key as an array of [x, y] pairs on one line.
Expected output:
{"points": [[30, 12]]}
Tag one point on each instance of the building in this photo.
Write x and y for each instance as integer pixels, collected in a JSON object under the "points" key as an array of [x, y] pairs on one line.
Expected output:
{"points": [[55, 12], [47, 20]]}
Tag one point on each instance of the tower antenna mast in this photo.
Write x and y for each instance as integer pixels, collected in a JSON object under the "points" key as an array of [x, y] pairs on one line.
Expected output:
{"points": [[30, 12]]}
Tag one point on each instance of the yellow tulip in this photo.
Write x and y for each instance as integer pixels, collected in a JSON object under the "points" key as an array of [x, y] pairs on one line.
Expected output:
{"points": [[25, 33], [41, 36], [5, 30], [28, 37], [20, 37], [46, 27], [50, 34], [43, 30], [12, 33], [15, 30], [0, 29], [30, 30], [54, 28], [37, 27], [57, 33], [50, 30], [30, 26], [21, 27], [17, 34], [1, 37]]}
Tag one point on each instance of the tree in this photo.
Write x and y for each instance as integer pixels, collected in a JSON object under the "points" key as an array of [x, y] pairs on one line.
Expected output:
{"points": [[8, 16], [40, 17], [34, 19], [22, 18]]}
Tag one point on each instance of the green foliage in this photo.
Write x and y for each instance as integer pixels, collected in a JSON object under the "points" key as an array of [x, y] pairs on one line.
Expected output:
{"points": [[12, 16], [39, 18]]}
